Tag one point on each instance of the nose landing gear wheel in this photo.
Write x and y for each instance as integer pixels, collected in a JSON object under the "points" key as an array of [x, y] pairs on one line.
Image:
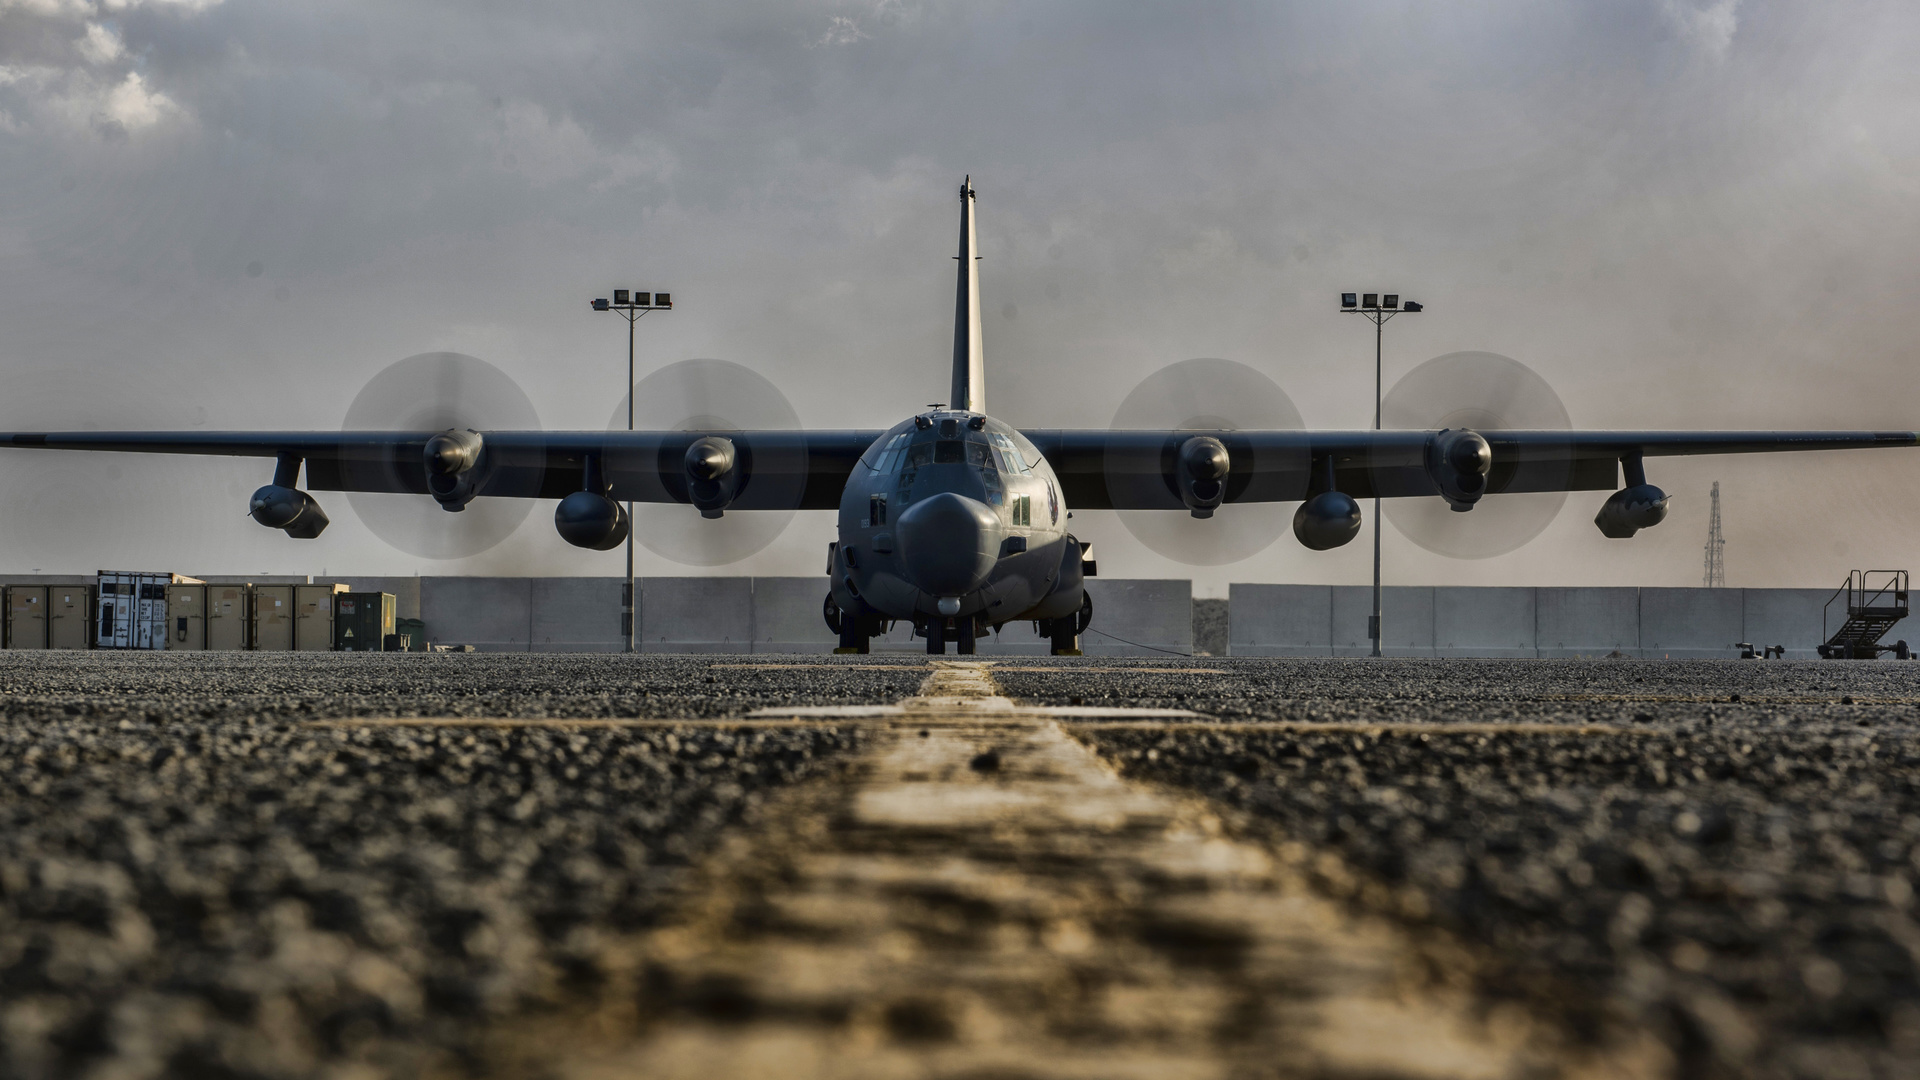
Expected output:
{"points": [[936, 637], [967, 640]]}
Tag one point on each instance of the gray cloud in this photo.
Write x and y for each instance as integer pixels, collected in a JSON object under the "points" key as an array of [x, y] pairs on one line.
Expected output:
{"points": [[1683, 213]]}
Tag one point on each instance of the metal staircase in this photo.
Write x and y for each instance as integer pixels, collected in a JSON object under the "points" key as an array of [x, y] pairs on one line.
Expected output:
{"points": [[1876, 599]]}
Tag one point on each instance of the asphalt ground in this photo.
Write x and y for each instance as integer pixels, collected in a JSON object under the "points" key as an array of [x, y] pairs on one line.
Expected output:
{"points": [[224, 865]]}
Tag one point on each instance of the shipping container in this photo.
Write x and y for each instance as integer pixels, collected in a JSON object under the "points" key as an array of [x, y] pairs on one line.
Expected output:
{"points": [[362, 621], [313, 617], [187, 618], [26, 616], [69, 616], [273, 618], [133, 608], [228, 615]]}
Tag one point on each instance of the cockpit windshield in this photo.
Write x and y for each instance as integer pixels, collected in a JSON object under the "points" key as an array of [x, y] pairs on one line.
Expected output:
{"points": [[989, 455]]}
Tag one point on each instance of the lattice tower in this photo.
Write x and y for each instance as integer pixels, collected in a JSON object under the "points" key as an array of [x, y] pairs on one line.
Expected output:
{"points": [[1716, 576]]}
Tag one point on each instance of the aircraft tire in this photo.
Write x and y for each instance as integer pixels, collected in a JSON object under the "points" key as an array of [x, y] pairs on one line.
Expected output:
{"points": [[1065, 641], [936, 637], [853, 638], [967, 642]]}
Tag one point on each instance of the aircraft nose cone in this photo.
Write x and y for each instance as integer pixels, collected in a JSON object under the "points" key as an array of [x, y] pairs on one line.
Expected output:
{"points": [[949, 543]]}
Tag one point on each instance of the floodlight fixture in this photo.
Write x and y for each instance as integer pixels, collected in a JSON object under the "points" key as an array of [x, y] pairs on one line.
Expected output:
{"points": [[1370, 300], [663, 300], [641, 299], [601, 304], [1348, 299], [1391, 300], [1412, 305], [620, 297]]}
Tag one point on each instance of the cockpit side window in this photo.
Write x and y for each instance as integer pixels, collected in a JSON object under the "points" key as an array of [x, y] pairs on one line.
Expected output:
{"points": [[1011, 460]]}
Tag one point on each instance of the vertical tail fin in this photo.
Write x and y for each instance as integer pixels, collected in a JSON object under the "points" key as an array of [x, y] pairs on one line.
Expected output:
{"points": [[969, 362]]}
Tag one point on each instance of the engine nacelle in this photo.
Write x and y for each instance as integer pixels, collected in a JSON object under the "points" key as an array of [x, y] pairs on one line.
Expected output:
{"points": [[587, 519], [1204, 462], [279, 507], [452, 458], [1458, 460], [1628, 511], [712, 479], [1327, 520]]}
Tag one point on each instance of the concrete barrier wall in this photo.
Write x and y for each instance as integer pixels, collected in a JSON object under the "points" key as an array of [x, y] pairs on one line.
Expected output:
{"points": [[1587, 622], [1791, 617], [491, 614], [1484, 622], [1317, 620], [1144, 617], [1280, 620]]}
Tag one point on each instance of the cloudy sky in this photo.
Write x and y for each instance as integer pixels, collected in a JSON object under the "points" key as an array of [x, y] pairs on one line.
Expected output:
{"points": [[1681, 213]]}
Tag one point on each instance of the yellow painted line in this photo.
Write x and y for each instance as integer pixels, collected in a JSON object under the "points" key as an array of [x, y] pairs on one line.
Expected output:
{"points": [[1144, 669], [1361, 727], [817, 667], [1722, 699], [548, 721]]}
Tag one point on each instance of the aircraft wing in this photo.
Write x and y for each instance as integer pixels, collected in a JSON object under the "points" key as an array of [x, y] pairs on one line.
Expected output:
{"points": [[803, 470], [1098, 469], [1141, 470]]}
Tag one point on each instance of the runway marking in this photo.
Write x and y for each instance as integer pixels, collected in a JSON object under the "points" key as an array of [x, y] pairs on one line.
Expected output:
{"points": [[818, 667], [1722, 699], [1363, 727], [998, 666], [982, 895], [1135, 670], [544, 721]]}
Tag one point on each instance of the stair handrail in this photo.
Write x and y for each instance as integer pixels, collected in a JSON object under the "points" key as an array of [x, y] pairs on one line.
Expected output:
{"points": [[1896, 582], [1845, 589]]}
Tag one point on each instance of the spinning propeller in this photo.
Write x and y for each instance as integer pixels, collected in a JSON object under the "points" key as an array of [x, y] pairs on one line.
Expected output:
{"points": [[1481, 391], [716, 397], [454, 394], [1463, 392], [1204, 394]]}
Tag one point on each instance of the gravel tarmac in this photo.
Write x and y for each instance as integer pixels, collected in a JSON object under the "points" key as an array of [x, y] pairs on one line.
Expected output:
{"points": [[195, 880], [1720, 852], [210, 865]]}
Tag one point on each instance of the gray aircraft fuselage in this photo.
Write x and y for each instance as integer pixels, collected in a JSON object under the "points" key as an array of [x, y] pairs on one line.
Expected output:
{"points": [[955, 516]]}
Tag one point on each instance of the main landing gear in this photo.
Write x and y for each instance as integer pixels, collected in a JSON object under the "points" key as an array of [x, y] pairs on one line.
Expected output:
{"points": [[856, 631], [1066, 631]]}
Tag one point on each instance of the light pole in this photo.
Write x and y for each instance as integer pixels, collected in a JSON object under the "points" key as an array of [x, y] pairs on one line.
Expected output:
{"points": [[631, 306], [1377, 309]]}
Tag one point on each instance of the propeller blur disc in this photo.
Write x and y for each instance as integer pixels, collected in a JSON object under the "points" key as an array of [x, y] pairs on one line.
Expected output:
{"points": [[714, 397], [1205, 394], [432, 392], [1486, 392]]}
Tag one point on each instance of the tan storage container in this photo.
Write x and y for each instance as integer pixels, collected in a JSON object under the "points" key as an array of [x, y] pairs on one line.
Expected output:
{"points": [[69, 616], [187, 618], [273, 618], [227, 616], [26, 616], [313, 617]]}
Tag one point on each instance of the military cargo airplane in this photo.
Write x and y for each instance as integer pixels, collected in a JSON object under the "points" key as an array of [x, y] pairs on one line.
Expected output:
{"points": [[954, 520]]}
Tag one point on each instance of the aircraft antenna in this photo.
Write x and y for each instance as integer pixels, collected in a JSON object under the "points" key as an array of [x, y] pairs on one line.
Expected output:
{"points": [[1716, 576]]}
